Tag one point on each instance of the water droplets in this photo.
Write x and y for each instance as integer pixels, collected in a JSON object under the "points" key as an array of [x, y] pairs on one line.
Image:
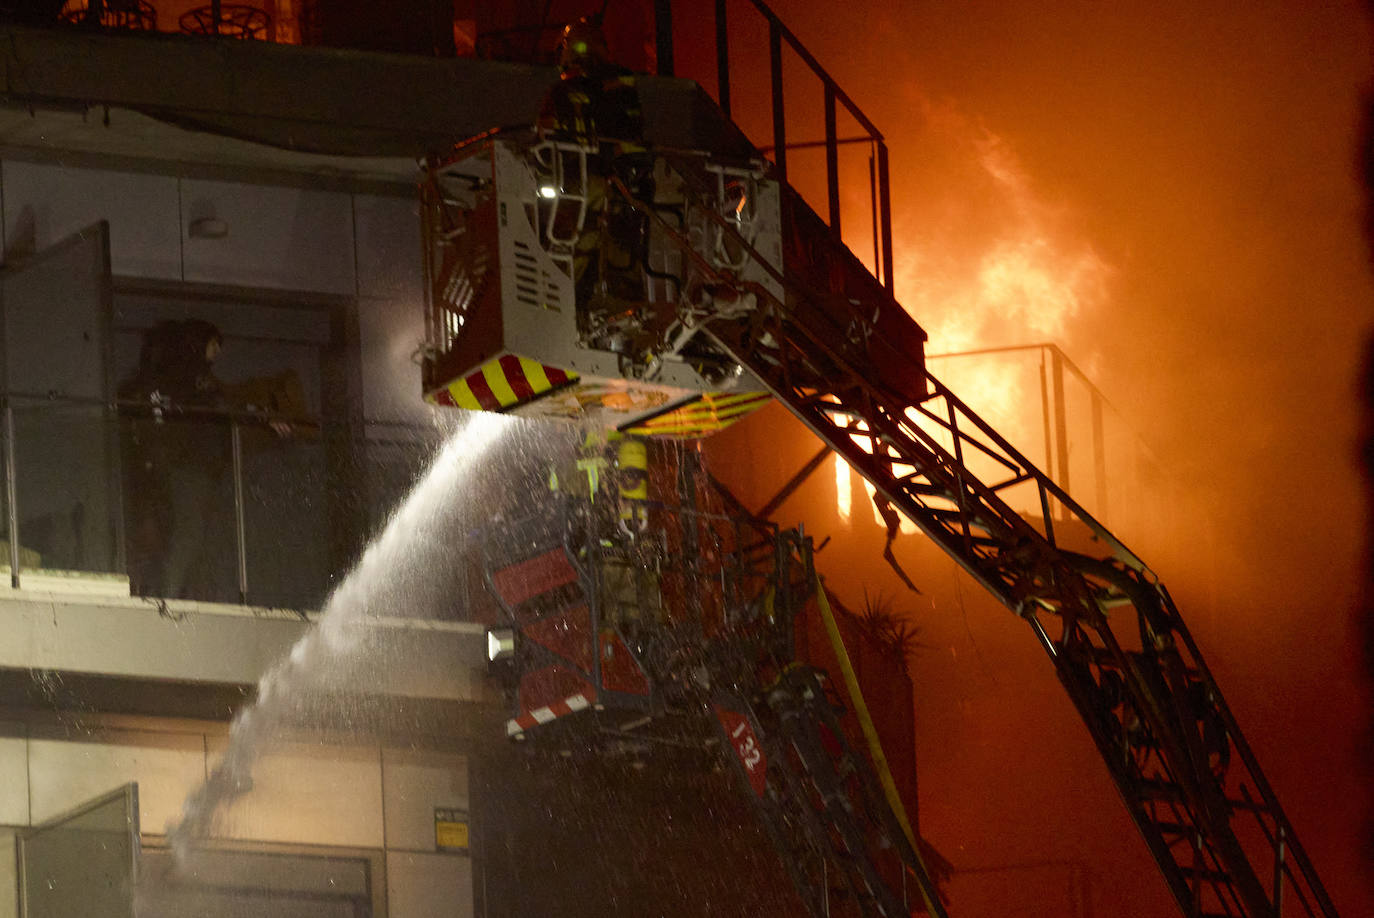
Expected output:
{"points": [[345, 645]]}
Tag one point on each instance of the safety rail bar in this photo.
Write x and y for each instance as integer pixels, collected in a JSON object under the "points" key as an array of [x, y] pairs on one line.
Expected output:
{"points": [[879, 175], [1055, 370], [743, 543], [232, 422], [760, 577]]}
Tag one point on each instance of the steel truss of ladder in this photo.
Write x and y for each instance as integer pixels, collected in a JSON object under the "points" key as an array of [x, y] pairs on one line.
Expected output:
{"points": [[819, 802], [1116, 639]]}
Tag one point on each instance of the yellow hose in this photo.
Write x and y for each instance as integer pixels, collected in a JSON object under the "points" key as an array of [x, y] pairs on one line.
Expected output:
{"points": [[875, 747]]}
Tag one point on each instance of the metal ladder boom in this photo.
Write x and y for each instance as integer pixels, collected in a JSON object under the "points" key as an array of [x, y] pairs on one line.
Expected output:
{"points": [[818, 802], [1122, 651]]}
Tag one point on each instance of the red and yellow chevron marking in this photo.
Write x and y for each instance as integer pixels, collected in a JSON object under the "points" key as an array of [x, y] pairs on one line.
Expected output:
{"points": [[501, 384], [706, 415]]}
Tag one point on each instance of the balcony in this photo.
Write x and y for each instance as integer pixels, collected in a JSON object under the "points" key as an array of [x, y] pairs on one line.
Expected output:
{"points": [[145, 544], [102, 500]]}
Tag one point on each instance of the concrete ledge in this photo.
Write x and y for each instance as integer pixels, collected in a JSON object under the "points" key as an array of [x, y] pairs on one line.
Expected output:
{"points": [[211, 644], [333, 102]]}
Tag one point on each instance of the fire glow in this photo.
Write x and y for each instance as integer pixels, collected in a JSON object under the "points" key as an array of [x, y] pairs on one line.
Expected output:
{"points": [[1025, 281], [999, 268], [844, 484]]}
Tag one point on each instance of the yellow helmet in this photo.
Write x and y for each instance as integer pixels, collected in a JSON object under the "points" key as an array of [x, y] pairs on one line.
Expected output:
{"points": [[632, 460], [582, 47]]}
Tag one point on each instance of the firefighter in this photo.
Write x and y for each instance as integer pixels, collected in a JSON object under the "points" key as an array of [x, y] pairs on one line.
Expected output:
{"points": [[592, 475], [629, 588], [177, 457], [631, 582], [595, 101], [176, 446], [596, 104], [582, 476], [632, 483]]}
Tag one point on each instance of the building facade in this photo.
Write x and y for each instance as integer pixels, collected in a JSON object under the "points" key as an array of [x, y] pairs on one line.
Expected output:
{"points": [[122, 215]]}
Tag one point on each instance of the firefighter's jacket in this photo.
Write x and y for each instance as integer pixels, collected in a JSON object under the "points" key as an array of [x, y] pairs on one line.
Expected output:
{"points": [[601, 105]]}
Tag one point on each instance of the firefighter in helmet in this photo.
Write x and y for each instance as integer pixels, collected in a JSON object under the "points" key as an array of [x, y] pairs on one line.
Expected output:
{"points": [[595, 104], [604, 464], [632, 483], [610, 475], [629, 572], [595, 101]]}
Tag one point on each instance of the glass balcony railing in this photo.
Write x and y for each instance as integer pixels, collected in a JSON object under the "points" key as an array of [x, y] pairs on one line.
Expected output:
{"points": [[212, 507]]}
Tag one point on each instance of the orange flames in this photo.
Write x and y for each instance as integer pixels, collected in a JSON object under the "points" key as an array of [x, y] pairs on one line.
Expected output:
{"points": [[1012, 274], [987, 264]]}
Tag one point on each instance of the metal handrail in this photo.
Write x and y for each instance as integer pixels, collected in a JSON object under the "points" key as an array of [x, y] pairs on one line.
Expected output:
{"points": [[1055, 414], [123, 410], [880, 180]]}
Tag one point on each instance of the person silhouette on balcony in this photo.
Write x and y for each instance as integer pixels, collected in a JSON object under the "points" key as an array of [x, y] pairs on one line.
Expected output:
{"points": [[177, 455]]}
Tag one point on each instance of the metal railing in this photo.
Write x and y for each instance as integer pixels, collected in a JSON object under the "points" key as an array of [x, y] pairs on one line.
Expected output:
{"points": [[1045, 404], [1070, 448], [698, 574], [281, 516], [779, 36]]}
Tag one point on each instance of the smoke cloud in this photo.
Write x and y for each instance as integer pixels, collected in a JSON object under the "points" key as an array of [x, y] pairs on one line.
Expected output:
{"points": [[1169, 192]]}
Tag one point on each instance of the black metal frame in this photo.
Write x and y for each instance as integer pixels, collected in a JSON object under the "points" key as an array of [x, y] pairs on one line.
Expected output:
{"points": [[778, 37], [131, 15], [820, 803], [227, 20], [1123, 653]]}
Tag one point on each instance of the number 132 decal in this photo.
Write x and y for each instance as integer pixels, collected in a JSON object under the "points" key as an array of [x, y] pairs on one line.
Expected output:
{"points": [[746, 746]]}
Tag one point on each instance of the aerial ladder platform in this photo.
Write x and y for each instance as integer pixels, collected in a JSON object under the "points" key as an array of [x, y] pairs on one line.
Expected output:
{"points": [[739, 293]]}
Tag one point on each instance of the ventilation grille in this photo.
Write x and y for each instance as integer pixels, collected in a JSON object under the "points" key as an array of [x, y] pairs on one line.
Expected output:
{"points": [[463, 275], [528, 277]]}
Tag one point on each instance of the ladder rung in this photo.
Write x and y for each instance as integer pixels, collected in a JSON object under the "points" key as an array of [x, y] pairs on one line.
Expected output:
{"points": [[955, 516], [1205, 873], [1157, 790]]}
